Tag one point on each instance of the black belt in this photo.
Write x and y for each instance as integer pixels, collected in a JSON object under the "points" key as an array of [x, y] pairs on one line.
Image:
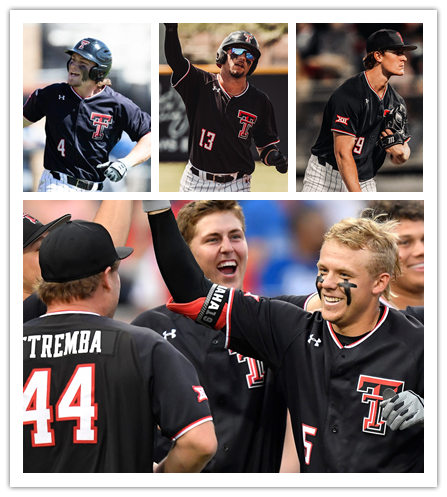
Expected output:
{"points": [[80, 183], [322, 161], [219, 178]]}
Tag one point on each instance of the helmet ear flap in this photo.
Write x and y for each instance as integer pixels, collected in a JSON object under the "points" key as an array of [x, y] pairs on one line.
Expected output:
{"points": [[221, 57]]}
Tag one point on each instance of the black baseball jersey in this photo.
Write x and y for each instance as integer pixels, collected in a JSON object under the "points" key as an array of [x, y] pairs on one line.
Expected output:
{"points": [[81, 132], [355, 109], [33, 307], [94, 391], [334, 384], [248, 410]]}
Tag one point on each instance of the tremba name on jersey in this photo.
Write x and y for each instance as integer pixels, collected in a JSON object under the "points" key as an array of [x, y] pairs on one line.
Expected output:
{"points": [[53, 345]]}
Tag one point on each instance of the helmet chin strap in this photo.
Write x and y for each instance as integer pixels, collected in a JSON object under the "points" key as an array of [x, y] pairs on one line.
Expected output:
{"points": [[345, 285]]}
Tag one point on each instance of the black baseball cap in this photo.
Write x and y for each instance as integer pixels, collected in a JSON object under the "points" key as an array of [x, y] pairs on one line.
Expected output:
{"points": [[386, 39], [78, 249], [33, 228]]}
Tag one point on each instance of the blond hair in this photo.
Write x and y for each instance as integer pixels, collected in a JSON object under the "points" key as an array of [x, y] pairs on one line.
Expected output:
{"points": [[67, 292], [378, 237], [190, 214]]}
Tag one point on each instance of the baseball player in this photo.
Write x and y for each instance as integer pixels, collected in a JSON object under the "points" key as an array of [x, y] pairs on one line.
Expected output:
{"points": [[408, 288], [363, 122], [248, 410], [334, 365], [95, 388], [115, 215], [85, 119], [225, 113]]}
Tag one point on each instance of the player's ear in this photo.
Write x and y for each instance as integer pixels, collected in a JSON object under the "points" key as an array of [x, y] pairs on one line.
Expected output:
{"points": [[380, 283], [378, 56], [106, 280]]}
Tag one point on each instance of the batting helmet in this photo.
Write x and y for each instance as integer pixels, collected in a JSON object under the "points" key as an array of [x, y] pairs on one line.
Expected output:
{"points": [[242, 39], [97, 52]]}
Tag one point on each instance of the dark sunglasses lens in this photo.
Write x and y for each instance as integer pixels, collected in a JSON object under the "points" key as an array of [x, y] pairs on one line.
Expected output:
{"points": [[239, 51]]}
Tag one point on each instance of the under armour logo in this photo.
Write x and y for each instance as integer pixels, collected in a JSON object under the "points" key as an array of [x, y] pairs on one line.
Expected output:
{"points": [[248, 37], [61, 97], [216, 89], [201, 395], [171, 334], [316, 340]]}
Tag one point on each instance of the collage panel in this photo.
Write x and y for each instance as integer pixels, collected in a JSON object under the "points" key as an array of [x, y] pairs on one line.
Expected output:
{"points": [[359, 107], [333, 301], [278, 329], [223, 107], [86, 114]]}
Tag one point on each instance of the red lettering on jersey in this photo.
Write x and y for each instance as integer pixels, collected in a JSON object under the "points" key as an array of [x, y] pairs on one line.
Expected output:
{"points": [[201, 395], [247, 120], [83, 44], [256, 375], [342, 120], [101, 121], [372, 389], [30, 218], [385, 112]]}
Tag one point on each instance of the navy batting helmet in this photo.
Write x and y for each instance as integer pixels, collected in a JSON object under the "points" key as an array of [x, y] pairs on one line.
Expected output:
{"points": [[97, 52], [242, 39]]}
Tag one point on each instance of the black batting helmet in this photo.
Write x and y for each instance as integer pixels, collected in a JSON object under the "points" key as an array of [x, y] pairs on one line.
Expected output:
{"points": [[97, 52], [242, 39]]}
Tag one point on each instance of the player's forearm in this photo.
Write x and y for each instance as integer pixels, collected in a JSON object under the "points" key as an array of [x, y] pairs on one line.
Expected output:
{"points": [[140, 152], [116, 216], [181, 273], [173, 51], [348, 171], [191, 452]]}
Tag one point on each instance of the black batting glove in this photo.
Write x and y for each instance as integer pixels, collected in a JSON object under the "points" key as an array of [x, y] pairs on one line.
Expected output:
{"points": [[277, 159]]}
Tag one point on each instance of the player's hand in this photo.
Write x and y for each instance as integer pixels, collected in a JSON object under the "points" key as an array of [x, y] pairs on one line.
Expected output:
{"points": [[155, 205], [114, 170], [277, 159], [403, 410]]}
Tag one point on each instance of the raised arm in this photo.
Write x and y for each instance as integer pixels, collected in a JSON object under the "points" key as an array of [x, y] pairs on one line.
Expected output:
{"points": [[183, 276], [173, 51]]}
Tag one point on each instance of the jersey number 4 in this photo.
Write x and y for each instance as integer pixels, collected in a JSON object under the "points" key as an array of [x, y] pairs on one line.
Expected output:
{"points": [[61, 147], [75, 403], [207, 139]]}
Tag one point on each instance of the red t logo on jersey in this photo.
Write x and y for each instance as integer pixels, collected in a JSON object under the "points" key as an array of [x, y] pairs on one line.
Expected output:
{"points": [[100, 121], [372, 389], [247, 120], [342, 120]]}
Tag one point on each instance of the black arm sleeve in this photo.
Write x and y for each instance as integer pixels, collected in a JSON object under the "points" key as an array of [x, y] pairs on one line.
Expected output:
{"points": [[183, 276], [173, 52]]}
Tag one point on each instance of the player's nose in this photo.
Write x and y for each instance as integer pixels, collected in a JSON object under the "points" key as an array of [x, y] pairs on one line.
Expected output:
{"points": [[226, 245]]}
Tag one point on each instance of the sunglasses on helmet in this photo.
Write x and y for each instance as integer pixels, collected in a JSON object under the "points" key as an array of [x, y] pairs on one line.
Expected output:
{"points": [[235, 52]]}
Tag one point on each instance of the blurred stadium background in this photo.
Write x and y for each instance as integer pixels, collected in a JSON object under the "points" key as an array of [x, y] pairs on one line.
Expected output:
{"points": [[44, 63], [284, 238], [200, 42], [327, 55]]}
